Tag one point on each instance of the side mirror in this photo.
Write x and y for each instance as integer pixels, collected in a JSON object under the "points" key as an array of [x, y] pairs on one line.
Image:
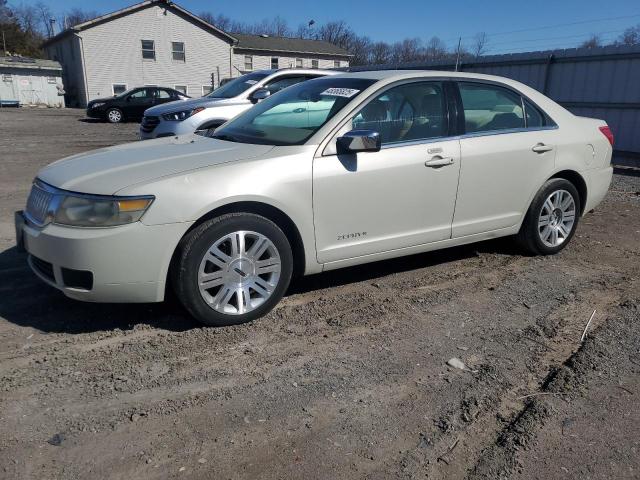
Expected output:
{"points": [[259, 94], [359, 141]]}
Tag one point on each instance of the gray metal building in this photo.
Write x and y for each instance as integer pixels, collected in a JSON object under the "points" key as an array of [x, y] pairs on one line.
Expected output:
{"points": [[30, 81], [599, 82]]}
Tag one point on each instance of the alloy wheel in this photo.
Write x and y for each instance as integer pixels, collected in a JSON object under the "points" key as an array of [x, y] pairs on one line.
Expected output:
{"points": [[557, 218], [239, 272], [114, 116]]}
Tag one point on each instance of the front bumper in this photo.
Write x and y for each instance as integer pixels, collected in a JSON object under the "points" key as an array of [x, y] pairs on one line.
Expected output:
{"points": [[127, 264], [95, 112]]}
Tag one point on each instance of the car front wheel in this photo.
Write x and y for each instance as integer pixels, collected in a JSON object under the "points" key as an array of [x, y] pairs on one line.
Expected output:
{"points": [[114, 115], [232, 269], [552, 218]]}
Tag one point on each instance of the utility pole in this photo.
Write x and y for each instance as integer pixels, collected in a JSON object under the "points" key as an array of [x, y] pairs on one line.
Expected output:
{"points": [[458, 54], [4, 43]]}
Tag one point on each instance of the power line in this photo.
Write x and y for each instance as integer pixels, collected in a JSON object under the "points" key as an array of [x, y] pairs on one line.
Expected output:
{"points": [[547, 27], [489, 44]]}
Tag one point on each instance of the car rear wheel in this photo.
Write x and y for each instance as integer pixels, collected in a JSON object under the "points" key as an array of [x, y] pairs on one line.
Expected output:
{"points": [[114, 115], [232, 269], [552, 218]]}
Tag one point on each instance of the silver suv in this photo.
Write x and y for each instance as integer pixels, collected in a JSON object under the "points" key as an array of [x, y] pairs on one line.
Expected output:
{"points": [[203, 115]]}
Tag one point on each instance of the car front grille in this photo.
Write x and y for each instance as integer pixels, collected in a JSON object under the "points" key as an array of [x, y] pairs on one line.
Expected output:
{"points": [[149, 123], [43, 268], [38, 205]]}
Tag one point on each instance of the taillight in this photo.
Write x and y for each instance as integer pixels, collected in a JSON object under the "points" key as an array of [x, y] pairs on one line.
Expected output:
{"points": [[606, 131]]}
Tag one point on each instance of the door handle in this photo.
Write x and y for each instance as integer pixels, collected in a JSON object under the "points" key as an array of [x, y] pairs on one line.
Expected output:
{"points": [[438, 161], [541, 148]]}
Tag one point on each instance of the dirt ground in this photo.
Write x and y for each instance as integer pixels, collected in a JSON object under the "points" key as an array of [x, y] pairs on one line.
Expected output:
{"points": [[347, 378]]}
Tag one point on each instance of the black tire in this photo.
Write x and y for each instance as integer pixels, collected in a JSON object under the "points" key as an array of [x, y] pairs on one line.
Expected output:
{"points": [[114, 115], [192, 248], [529, 236]]}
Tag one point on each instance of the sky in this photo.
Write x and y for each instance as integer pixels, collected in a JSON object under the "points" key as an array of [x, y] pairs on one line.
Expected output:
{"points": [[511, 26]]}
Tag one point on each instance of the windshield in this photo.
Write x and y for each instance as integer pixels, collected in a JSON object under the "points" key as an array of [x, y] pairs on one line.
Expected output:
{"points": [[293, 115], [236, 86]]}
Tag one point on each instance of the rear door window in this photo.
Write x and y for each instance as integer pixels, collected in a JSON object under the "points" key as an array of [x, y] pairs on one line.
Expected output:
{"points": [[490, 107]]}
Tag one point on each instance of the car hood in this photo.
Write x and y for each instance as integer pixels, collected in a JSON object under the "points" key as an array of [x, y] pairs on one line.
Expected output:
{"points": [[191, 103], [105, 99], [108, 170]]}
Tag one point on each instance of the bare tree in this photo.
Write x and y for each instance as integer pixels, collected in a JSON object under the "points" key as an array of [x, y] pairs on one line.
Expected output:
{"points": [[479, 45], [408, 50], [592, 42], [379, 53], [631, 36], [76, 16], [435, 49]]}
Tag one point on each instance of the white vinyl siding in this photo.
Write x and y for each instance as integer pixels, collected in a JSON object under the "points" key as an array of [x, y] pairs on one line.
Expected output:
{"points": [[122, 62], [263, 62]]}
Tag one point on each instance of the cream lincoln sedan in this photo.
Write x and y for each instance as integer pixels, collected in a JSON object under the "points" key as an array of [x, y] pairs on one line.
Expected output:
{"points": [[332, 172]]}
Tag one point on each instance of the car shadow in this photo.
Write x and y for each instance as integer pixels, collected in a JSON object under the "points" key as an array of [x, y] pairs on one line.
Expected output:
{"points": [[27, 301], [91, 120]]}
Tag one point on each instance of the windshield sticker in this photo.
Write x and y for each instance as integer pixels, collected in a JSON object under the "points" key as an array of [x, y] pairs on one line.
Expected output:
{"points": [[340, 92], [251, 82]]}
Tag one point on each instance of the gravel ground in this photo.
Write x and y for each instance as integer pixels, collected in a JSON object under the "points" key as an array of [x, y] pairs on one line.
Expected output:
{"points": [[347, 378]]}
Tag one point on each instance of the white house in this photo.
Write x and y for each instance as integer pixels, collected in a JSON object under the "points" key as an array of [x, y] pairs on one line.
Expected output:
{"points": [[157, 42]]}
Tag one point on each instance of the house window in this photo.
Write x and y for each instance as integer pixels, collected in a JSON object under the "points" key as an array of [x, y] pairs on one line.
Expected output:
{"points": [[248, 63], [206, 90], [119, 88], [336, 64], [177, 51], [148, 50], [274, 63], [298, 63], [181, 88], [51, 80], [6, 77], [314, 64]]}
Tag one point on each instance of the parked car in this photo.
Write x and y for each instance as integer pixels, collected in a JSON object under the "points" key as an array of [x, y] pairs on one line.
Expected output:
{"points": [[130, 105], [204, 115], [329, 173]]}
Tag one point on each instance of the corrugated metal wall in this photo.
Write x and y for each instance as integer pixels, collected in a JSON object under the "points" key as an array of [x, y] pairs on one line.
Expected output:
{"points": [[597, 82]]}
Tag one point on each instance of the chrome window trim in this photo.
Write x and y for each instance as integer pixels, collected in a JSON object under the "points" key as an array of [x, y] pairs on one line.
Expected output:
{"points": [[488, 133]]}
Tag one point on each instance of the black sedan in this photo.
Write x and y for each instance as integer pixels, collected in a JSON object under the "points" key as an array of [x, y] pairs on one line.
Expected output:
{"points": [[130, 105]]}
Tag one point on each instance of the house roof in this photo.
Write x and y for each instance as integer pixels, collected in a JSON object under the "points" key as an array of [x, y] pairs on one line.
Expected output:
{"points": [[134, 8], [241, 41], [286, 44], [29, 63]]}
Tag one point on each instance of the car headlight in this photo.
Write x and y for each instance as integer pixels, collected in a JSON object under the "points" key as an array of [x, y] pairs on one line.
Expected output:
{"points": [[182, 115], [100, 211], [96, 105]]}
